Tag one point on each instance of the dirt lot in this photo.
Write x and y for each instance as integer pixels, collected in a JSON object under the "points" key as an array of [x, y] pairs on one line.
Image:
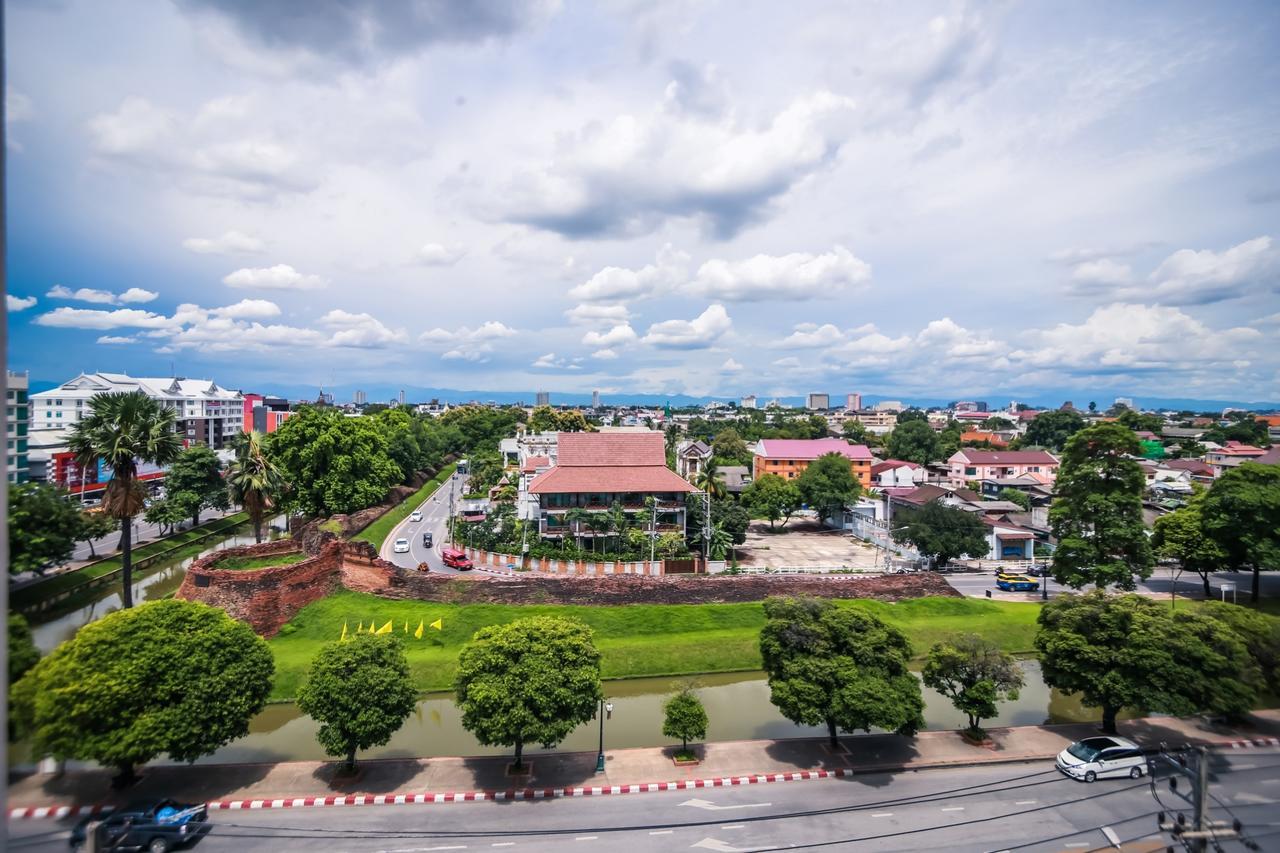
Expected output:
{"points": [[804, 543]]}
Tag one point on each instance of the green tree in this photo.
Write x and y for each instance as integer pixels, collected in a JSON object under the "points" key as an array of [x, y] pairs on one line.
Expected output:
{"points": [[1249, 431], [914, 441], [733, 518], [1240, 513], [543, 419], [166, 514], [1138, 422], [1097, 514], [1260, 633], [995, 423], [168, 677], [44, 527], [1016, 496], [684, 717], [254, 480], [949, 440], [942, 533], [360, 691], [124, 431], [912, 414], [853, 431], [773, 498], [194, 482], [828, 485], [335, 464], [93, 525], [1180, 535], [572, 421], [23, 653], [974, 674], [1052, 428], [708, 480], [838, 666], [530, 681], [729, 446], [1127, 651]]}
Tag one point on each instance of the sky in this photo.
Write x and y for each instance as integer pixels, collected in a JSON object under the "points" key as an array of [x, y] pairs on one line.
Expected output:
{"points": [[911, 199]]}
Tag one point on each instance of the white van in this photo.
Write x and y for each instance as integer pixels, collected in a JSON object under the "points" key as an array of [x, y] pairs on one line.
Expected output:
{"points": [[1098, 757]]}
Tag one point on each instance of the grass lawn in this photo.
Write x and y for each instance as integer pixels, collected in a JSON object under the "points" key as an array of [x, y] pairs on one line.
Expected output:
{"points": [[375, 533], [637, 640], [243, 564], [70, 580]]}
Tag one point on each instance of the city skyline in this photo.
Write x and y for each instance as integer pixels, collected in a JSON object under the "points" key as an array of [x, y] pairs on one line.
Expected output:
{"points": [[929, 202]]}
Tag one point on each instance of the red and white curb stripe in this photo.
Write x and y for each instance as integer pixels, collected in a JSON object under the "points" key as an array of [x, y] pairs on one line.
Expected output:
{"points": [[1250, 744], [459, 796]]}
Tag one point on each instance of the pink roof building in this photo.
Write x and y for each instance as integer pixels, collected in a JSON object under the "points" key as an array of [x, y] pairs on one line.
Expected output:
{"points": [[969, 464]]}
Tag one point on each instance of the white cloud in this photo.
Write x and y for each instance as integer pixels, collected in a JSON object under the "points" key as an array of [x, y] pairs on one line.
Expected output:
{"points": [[810, 335], [439, 255], [135, 128], [1103, 271], [547, 360], [18, 303], [605, 354], [467, 344], [789, 277], [83, 294], [1189, 277], [249, 309], [116, 339], [620, 335], [230, 243], [702, 331], [615, 283], [278, 277], [588, 314], [92, 318], [17, 108], [136, 295], [731, 365], [360, 330]]}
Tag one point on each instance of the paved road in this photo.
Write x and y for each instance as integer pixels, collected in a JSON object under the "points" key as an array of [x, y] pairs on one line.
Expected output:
{"points": [[435, 519], [1162, 582], [1024, 807]]}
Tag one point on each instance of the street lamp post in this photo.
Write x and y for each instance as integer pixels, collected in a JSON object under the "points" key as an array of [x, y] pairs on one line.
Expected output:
{"points": [[606, 710]]}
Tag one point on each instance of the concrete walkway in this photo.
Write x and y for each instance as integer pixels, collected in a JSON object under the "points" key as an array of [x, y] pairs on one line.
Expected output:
{"points": [[304, 783]]}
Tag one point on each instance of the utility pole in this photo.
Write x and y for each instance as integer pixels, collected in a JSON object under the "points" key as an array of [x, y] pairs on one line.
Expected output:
{"points": [[1202, 829], [653, 530]]}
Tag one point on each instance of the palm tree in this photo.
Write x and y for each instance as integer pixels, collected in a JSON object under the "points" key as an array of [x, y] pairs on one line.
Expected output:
{"points": [[576, 516], [125, 430], [708, 480], [617, 518], [254, 480]]}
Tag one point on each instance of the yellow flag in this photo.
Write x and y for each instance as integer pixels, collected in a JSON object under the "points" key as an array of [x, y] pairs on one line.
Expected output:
{"points": [[360, 628], [418, 633], [344, 631], [438, 624], [406, 626], [385, 629]]}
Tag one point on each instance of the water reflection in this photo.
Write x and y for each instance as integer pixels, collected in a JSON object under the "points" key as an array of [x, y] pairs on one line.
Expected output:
{"points": [[737, 704]]}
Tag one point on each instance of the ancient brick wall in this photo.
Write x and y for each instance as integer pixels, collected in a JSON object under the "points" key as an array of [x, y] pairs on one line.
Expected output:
{"points": [[363, 570]]}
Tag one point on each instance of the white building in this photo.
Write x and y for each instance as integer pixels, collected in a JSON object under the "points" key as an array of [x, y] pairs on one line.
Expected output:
{"points": [[543, 398], [818, 402], [748, 402], [206, 413], [853, 402]]}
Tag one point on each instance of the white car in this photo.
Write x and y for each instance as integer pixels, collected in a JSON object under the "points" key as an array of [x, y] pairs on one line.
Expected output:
{"points": [[416, 515], [401, 546], [1097, 757]]}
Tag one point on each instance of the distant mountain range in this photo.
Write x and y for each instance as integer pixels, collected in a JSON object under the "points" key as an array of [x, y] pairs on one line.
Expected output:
{"points": [[383, 392]]}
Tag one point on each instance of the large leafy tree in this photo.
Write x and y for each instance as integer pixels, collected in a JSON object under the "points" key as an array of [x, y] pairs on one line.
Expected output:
{"points": [[1242, 514], [838, 666], [253, 480], [125, 430], [1016, 496], [44, 527], [941, 532], [529, 681], [828, 484], [544, 419], [194, 482], [1260, 633], [335, 464], [1053, 428], [730, 517], [684, 717], [166, 514], [773, 498], [23, 653], [914, 441], [95, 525], [1128, 651], [1180, 535], [360, 691], [974, 674], [172, 677], [1097, 514], [854, 431], [729, 447]]}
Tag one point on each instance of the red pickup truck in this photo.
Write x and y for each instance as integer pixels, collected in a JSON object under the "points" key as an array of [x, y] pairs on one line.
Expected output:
{"points": [[456, 558]]}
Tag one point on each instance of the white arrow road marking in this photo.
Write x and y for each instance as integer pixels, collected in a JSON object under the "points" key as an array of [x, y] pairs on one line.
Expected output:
{"points": [[1111, 836], [1249, 797], [716, 844], [712, 807]]}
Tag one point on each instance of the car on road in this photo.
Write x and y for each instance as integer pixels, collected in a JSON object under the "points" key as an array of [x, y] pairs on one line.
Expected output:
{"points": [[416, 515], [157, 827], [426, 539], [456, 558], [1016, 583], [1101, 757], [401, 546]]}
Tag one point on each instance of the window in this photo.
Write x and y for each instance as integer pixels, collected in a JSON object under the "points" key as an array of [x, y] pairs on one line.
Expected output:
{"points": [[970, 470]]}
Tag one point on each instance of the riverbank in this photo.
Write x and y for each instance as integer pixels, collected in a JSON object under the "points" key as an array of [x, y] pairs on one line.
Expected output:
{"points": [[634, 641]]}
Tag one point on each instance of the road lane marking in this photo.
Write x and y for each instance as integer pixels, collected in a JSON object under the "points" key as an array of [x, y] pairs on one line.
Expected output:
{"points": [[1076, 844], [503, 844], [586, 838], [662, 832], [1111, 836], [1025, 803], [732, 826], [713, 807], [954, 809], [883, 814]]}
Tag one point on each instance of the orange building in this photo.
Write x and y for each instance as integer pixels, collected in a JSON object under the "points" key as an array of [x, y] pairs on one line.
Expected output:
{"points": [[789, 457]]}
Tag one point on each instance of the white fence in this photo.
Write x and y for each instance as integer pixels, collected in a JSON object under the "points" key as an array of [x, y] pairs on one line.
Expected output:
{"points": [[808, 570]]}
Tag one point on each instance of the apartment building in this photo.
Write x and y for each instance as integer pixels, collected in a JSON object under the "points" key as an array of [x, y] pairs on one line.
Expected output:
{"points": [[818, 402], [17, 420], [789, 457], [968, 464], [265, 414]]}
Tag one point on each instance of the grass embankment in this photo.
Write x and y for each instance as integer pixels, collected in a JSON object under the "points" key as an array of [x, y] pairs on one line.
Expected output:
{"points": [[377, 532], [244, 564], [70, 580], [634, 641]]}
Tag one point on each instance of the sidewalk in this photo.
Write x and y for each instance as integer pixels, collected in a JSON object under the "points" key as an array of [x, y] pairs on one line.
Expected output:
{"points": [[307, 783]]}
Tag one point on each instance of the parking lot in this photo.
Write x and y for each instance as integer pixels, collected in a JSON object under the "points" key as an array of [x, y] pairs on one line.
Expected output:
{"points": [[805, 543]]}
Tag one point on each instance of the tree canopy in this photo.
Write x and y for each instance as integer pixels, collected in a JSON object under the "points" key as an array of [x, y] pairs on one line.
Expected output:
{"points": [[1097, 513], [914, 441], [23, 653], [1016, 496], [729, 448], [1180, 535], [1128, 651], [1240, 513], [194, 482], [168, 677], [829, 485], [1052, 428], [854, 431], [360, 691], [44, 526], [684, 717], [838, 666], [254, 481], [974, 674], [940, 532], [773, 498], [530, 681], [93, 525], [547, 419]]}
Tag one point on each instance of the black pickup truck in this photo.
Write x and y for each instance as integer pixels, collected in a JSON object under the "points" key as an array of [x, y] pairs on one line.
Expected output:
{"points": [[157, 827]]}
